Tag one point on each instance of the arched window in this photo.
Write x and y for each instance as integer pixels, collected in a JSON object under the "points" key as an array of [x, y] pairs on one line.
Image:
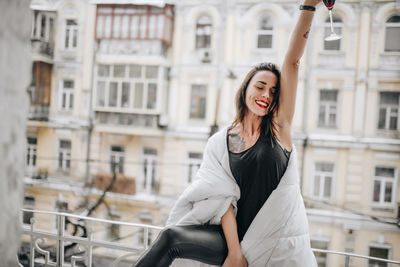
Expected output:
{"points": [[392, 39], [264, 32], [203, 32], [338, 28]]}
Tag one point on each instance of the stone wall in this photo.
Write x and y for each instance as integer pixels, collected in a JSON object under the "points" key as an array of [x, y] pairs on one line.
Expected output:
{"points": [[15, 76]]}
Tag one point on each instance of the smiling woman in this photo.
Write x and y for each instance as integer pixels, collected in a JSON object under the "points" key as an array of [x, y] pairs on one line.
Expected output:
{"points": [[245, 207]]}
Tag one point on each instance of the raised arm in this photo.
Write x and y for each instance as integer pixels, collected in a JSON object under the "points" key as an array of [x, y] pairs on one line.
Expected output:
{"points": [[290, 67]]}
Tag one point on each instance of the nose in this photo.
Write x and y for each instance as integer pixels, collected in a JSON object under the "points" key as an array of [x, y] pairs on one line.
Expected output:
{"points": [[267, 94]]}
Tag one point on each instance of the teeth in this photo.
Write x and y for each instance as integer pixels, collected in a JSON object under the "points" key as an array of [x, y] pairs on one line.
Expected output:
{"points": [[261, 103]]}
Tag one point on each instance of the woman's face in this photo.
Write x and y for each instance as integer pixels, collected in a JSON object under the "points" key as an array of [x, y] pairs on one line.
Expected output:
{"points": [[260, 91]]}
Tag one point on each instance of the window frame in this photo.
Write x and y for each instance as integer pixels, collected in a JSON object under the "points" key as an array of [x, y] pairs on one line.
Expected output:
{"points": [[142, 218], [197, 100], [65, 158], [31, 154], [37, 26], [69, 94], [327, 106], [73, 30], [115, 215], [259, 32], [382, 203], [141, 15], [190, 173], [387, 117], [206, 42], [380, 246], [30, 205], [146, 82], [391, 24], [322, 185], [119, 157], [149, 161]]}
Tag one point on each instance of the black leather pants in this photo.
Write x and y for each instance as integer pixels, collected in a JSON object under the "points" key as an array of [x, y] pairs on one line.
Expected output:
{"points": [[205, 243]]}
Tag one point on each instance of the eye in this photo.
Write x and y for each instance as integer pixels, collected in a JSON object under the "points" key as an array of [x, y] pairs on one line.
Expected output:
{"points": [[259, 88]]}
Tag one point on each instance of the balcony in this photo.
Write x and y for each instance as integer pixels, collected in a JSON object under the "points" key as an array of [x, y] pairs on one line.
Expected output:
{"points": [[53, 247], [39, 112], [42, 48]]}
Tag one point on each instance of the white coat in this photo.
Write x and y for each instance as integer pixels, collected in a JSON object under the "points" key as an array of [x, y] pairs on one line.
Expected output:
{"points": [[278, 235]]}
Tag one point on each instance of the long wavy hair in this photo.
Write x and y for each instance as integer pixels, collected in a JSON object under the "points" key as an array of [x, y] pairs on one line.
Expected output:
{"points": [[267, 126]]}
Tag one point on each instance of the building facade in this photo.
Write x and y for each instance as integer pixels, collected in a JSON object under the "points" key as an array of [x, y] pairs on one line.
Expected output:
{"points": [[138, 88]]}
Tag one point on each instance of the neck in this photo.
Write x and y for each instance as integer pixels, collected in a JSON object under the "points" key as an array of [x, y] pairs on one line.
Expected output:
{"points": [[251, 124]]}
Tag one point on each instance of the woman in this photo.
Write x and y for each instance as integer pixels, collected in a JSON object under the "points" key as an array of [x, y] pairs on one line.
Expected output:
{"points": [[224, 218]]}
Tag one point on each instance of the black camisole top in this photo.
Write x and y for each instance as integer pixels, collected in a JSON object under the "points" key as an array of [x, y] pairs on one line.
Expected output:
{"points": [[258, 171]]}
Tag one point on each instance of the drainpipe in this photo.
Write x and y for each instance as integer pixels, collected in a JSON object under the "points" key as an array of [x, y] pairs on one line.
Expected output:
{"points": [[219, 82], [96, 44]]}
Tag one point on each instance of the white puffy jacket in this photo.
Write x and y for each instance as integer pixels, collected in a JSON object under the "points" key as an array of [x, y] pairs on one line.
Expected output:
{"points": [[278, 235]]}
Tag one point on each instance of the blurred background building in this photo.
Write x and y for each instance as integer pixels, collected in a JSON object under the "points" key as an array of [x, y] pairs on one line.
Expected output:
{"points": [[138, 88]]}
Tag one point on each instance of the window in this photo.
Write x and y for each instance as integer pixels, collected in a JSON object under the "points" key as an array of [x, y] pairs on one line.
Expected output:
{"points": [[150, 183], [327, 116], [265, 32], [338, 29], [384, 185], [29, 203], [193, 162], [64, 155], [66, 101], [389, 105], [128, 87], [113, 230], [378, 252], [203, 32], [117, 156], [134, 22], [323, 179], [392, 31], [198, 102], [31, 153], [319, 256], [43, 26], [59, 206], [71, 34], [145, 218]]}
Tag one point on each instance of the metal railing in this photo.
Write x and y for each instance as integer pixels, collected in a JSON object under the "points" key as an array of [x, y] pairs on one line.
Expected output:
{"points": [[90, 241]]}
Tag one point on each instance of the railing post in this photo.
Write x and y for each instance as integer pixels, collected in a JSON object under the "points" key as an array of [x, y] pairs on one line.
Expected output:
{"points": [[32, 248], [60, 241], [90, 238], [146, 237]]}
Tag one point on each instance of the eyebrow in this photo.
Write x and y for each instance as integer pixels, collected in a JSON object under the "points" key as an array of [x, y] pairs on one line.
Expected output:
{"points": [[262, 82]]}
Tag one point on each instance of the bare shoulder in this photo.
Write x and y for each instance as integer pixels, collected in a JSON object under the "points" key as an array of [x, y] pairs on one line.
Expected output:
{"points": [[236, 143]]}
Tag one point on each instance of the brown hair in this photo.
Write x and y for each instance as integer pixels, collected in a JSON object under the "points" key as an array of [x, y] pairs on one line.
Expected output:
{"points": [[267, 126]]}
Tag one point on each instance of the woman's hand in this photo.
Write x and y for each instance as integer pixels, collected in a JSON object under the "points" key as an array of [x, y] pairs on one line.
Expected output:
{"points": [[235, 260]]}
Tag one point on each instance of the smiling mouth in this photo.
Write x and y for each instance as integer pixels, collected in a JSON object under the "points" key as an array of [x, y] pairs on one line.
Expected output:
{"points": [[262, 104]]}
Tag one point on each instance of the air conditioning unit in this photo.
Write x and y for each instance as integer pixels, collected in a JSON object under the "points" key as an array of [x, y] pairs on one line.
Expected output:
{"points": [[206, 56]]}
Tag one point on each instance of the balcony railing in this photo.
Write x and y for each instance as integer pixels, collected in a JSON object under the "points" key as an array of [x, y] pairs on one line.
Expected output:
{"points": [[39, 112], [42, 47], [88, 244]]}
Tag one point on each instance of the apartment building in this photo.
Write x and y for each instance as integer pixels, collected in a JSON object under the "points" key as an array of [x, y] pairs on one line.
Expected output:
{"points": [[137, 88]]}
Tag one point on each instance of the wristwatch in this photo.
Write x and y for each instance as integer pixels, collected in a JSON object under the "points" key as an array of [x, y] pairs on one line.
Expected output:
{"points": [[310, 8]]}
